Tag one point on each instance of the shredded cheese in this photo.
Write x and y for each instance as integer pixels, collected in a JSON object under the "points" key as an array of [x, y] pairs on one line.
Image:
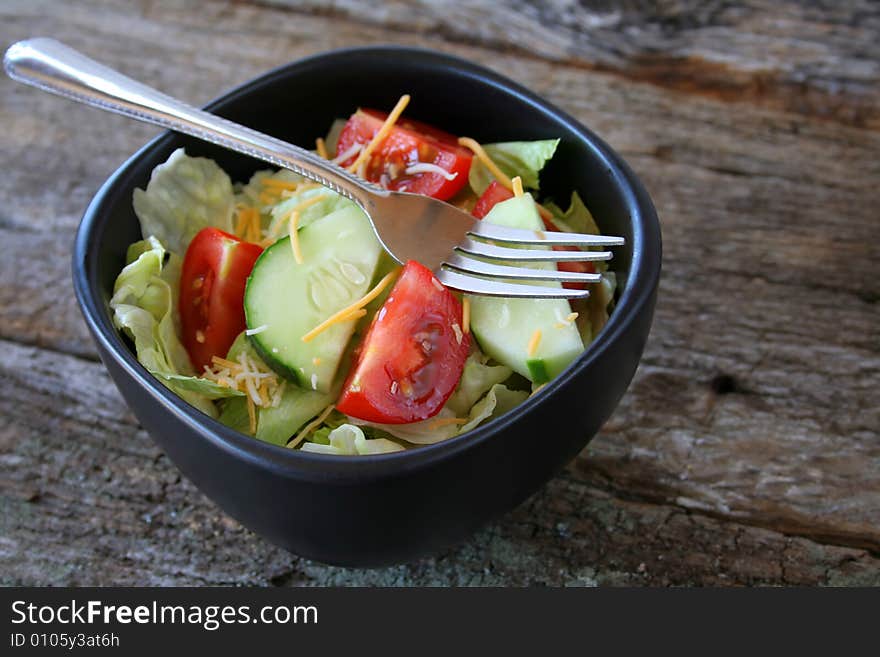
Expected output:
{"points": [[459, 336], [351, 151], [247, 224], [222, 362], [302, 187], [474, 145], [517, 187], [258, 329], [534, 341], [294, 237], [279, 184], [466, 315], [352, 310], [277, 222], [200, 337], [321, 147], [261, 387], [311, 426], [382, 133], [428, 167], [571, 317]]}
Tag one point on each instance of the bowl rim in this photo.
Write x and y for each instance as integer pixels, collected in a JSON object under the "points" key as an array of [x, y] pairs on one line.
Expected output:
{"points": [[643, 279]]}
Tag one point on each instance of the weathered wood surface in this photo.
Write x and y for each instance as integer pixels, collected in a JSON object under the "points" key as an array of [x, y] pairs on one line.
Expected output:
{"points": [[745, 452]]}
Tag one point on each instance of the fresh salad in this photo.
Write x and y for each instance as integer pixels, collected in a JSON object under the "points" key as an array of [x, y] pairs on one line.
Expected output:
{"points": [[271, 305]]}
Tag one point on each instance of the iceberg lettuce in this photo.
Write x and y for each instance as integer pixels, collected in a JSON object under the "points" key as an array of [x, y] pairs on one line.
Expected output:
{"points": [[144, 305], [515, 158], [348, 439], [184, 195]]}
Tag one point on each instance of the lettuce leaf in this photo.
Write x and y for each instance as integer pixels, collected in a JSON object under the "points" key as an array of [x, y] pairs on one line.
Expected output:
{"points": [[184, 195], [577, 219], [497, 402], [426, 432], [144, 306], [198, 385], [348, 439], [515, 158], [476, 380]]}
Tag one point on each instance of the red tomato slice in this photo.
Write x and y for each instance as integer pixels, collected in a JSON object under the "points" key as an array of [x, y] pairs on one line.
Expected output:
{"points": [[412, 356], [215, 270], [496, 193], [408, 144]]}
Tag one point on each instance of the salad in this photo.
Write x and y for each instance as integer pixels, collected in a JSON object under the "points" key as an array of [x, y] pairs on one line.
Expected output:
{"points": [[271, 306]]}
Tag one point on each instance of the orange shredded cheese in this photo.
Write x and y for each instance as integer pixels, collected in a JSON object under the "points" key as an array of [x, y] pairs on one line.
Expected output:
{"points": [[277, 222], [222, 362], [321, 147], [483, 157], [516, 185], [466, 315], [354, 310], [279, 184], [534, 341], [382, 133], [294, 237], [311, 426]]}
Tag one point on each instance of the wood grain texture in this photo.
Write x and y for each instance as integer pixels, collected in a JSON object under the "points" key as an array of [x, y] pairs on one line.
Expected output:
{"points": [[746, 450], [816, 59], [87, 498]]}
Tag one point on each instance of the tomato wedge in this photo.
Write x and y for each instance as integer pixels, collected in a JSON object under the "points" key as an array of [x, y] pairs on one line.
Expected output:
{"points": [[496, 193], [412, 356], [408, 145], [212, 281]]}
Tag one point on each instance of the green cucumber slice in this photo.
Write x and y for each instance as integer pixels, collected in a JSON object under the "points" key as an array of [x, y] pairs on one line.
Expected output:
{"points": [[505, 327], [284, 300]]}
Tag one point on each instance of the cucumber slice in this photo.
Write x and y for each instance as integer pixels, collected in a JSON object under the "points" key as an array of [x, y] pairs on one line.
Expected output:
{"points": [[340, 254], [505, 327]]}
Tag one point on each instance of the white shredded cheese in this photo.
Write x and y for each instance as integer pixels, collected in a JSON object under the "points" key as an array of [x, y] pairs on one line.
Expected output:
{"points": [[258, 329], [428, 167], [354, 149], [458, 333]]}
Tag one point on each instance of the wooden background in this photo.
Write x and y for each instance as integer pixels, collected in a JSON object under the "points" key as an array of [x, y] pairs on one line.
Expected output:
{"points": [[746, 450]]}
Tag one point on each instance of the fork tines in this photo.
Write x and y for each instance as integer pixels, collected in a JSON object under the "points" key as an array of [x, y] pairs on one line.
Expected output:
{"points": [[471, 268]]}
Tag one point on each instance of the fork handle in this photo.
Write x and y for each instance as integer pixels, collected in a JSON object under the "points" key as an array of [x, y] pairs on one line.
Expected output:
{"points": [[54, 67]]}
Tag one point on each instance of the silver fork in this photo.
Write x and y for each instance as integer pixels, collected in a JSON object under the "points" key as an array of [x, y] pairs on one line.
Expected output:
{"points": [[410, 226]]}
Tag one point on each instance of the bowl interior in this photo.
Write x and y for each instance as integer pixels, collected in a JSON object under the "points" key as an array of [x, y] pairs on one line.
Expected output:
{"points": [[298, 103]]}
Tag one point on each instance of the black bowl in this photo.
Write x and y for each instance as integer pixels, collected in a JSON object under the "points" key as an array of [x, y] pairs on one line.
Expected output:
{"points": [[387, 509]]}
